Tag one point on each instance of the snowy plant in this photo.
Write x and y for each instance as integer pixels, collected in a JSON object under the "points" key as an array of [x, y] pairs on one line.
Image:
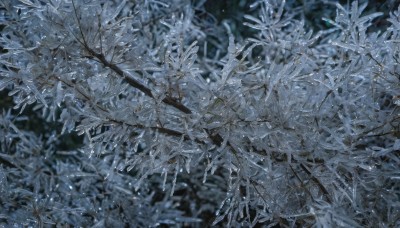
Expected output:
{"points": [[187, 121]]}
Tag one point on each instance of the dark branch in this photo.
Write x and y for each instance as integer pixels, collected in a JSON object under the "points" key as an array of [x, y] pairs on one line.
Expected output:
{"points": [[136, 84]]}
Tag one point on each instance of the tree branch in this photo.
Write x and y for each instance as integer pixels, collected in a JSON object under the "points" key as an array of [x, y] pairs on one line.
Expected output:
{"points": [[136, 84]]}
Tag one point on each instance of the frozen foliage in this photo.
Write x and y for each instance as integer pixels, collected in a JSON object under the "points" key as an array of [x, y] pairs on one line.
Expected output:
{"points": [[188, 123]]}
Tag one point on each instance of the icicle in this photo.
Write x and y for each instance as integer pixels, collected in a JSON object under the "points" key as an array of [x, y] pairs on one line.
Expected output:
{"points": [[175, 177], [165, 172]]}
